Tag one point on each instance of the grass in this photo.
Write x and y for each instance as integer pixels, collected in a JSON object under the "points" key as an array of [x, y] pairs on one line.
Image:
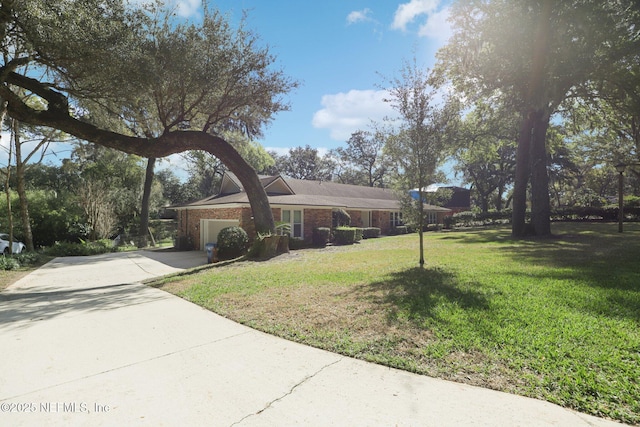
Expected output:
{"points": [[556, 319], [9, 277]]}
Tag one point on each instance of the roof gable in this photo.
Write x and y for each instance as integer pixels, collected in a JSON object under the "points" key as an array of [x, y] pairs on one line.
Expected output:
{"points": [[278, 186], [230, 184]]}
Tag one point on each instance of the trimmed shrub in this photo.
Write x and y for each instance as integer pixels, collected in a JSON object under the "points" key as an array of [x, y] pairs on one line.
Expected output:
{"points": [[283, 244], [232, 242], [465, 219], [631, 201], [448, 222], [606, 213], [478, 219], [401, 229], [370, 232], [344, 235], [341, 218], [295, 244], [359, 233], [321, 236]]}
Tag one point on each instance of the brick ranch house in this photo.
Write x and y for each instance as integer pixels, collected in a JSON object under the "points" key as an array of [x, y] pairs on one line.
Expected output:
{"points": [[303, 204]]}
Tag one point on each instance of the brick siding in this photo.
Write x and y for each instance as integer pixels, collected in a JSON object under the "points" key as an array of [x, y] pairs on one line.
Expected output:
{"points": [[356, 218], [314, 218], [189, 220]]}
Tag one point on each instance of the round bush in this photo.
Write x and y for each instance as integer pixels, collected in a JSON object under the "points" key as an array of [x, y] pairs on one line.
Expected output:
{"points": [[232, 242]]}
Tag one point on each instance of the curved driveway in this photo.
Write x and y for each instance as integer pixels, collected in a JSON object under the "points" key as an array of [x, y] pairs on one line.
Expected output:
{"points": [[83, 342]]}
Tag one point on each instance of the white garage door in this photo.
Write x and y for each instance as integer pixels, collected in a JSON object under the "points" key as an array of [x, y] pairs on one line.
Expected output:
{"points": [[209, 229]]}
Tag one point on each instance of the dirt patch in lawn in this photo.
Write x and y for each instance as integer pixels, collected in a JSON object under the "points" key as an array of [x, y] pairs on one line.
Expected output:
{"points": [[349, 322]]}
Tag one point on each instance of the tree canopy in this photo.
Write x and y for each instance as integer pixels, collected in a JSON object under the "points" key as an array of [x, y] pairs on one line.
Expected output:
{"points": [[303, 163], [362, 162], [535, 55], [140, 81]]}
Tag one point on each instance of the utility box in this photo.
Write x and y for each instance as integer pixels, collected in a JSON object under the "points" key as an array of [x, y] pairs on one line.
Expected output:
{"points": [[212, 252]]}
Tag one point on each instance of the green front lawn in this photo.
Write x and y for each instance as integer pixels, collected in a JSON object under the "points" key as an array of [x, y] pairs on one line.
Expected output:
{"points": [[556, 319]]}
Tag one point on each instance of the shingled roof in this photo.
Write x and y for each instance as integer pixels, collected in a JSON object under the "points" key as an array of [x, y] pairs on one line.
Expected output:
{"points": [[298, 192]]}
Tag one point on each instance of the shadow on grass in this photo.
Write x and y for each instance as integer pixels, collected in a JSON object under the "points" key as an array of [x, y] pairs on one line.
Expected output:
{"points": [[577, 255], [417, 294], [484, 235]]}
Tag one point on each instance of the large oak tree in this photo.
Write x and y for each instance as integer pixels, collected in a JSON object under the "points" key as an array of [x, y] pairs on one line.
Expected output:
{"points": [[141, 81], [536, 54], [485, 152]]}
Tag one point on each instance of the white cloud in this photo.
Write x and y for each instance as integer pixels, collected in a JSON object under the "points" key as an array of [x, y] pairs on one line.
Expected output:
{"points": [[359, 16], [434, 24], [345, 113], [281, 151], [5, 140], [437, 26], [176, 163], [182, 8], [407, 12], [284, 151], [188, 8]]}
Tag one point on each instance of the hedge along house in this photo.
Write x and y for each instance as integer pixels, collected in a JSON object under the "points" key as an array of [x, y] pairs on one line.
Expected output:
{"points": [[303, 204]]}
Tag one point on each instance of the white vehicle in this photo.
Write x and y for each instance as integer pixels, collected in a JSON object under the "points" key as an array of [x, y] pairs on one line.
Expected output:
{"points": [[4, 245]]}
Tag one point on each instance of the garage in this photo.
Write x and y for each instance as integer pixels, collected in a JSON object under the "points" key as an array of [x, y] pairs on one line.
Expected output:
{"points": [[209, 229]]}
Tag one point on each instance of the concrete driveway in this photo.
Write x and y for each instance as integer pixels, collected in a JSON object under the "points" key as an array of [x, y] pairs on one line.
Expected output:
{"points": [[83, 343]]}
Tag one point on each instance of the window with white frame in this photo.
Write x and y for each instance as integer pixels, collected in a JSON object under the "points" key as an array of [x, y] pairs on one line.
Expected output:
{"points": [[395, 219], [294, 218], [432, 217]]}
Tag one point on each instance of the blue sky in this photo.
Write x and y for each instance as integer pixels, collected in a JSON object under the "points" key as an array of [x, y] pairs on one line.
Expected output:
{"points": [[340, 51]]}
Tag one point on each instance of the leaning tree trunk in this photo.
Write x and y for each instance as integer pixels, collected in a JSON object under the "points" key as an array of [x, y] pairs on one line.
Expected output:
{"points": [[540, 201], [57, 116], [143, 232]]}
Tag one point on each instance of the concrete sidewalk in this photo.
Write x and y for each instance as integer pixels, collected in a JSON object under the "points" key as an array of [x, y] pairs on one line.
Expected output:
{"points": [[84, 343]]}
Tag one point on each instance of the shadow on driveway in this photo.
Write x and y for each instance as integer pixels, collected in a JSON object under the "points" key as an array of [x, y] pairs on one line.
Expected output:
{"points": [[19, 310], [70, 286]]}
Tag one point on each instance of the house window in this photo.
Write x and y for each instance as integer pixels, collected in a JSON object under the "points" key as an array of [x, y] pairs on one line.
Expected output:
{"points": [[395, 219], [294, 218], [367, 219], [432, 218]]}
